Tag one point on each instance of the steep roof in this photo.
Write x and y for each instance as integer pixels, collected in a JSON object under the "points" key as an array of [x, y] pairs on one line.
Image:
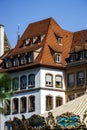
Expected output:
{"points": [[49, 44], [79, 41]]}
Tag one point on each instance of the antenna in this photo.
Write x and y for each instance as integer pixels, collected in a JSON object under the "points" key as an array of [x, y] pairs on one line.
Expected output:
{"points": [[18, 32]]}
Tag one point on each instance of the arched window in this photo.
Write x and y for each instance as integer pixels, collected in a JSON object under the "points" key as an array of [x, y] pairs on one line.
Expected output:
{"points": [[23, 82], [49, 80], [31, 103], [49, 103], [15, 83], [15, 106], [58, 81], [59, 101], [23, 104], [31, 80]]}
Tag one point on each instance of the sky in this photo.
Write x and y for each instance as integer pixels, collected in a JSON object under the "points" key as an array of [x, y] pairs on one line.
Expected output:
{"points": [[71, 15]]}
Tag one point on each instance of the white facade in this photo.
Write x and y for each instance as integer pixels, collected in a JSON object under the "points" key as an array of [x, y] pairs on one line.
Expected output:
{"points": [[40, 91]]}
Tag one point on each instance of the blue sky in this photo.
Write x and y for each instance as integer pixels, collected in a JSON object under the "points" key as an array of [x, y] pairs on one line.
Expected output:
{"points": [[69, 14]]}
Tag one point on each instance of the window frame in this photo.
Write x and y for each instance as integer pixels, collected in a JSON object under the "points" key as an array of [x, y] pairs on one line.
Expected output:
{"points": [[23, 84], [49, 83], [60, 86], [31, 103], [49, 102], [31, 83], [71, 84], [80, 81], [15, 83], [58, 101]]}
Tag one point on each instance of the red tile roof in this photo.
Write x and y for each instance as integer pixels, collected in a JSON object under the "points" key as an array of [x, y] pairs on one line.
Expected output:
{"points": [[79, 41], [50, 28]]}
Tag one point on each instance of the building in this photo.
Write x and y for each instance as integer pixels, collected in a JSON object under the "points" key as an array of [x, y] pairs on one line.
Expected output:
{"points": [[76, 68], [39, 65]]}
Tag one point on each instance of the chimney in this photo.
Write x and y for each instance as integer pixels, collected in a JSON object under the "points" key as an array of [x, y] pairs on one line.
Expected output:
{"points": [[1, 40]]}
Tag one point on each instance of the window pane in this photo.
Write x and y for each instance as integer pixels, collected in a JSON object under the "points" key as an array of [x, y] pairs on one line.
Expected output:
{"points": [[58, 81], [49, 103], [80, 78], [31, 80], [49, 79], [71, 79]]}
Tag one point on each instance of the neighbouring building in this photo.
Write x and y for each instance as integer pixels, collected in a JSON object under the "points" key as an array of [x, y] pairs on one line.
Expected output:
{"points": [[44, 69]]}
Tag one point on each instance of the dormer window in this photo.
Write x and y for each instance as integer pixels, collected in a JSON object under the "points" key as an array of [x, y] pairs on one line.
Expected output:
{"points": [[8, 63], [82, 55], [16, 61], [23, 59], [57, 58], [30, 57], [31, 41], [60, 40]]}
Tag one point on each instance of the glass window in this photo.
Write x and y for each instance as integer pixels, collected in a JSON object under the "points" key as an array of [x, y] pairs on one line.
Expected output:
{"points": [[31, 103], [57, 58], [30, 57], [23, 59], [16, 61], [49, 103], [58, 79], [59, 101], [15, 106], [71, 97], [80, 78], [71, 79], [23, 82], [31, 80], [82, 55], [23, 105], [59, 40], [49, 79], [15, 83], [8, 63]]}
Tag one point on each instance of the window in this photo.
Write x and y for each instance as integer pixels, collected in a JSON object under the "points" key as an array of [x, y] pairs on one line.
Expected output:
{"points": [[15, 83], [57, 58], [71, 97], [23, 59], [82, 55], [31, 80], [60, 40], [23, 82], [80, 78], [73, 57], [49, 79], [23, 105], [58, 80], [15, 106], [59, 101], [8, 63], [49, 103], [31, 103], [71, 79], [30, 57], [16, 61], [8, 125]]}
